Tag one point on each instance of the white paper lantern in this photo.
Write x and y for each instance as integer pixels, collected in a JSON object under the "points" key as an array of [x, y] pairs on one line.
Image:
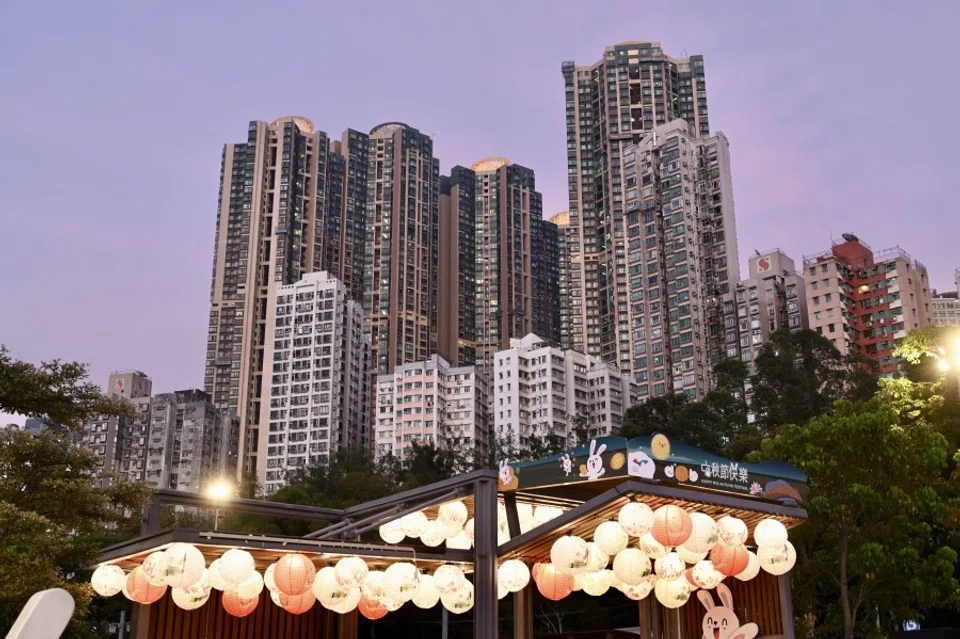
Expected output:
{"points": [[448, 579], [433, 535], [704, 534], [636, 519], [672, 594], [752, 569], [514, 575], [189, 599], [326, 587], [501, 590], [631, 566], [596, 583], [732, 531], [214, 579], [459, 542], [392, 532], [569, 555], [108, 580], [452, 515], [501, 515], [502, 537], [460, 601], [275, 598], [641, 590], [351, 571], [236, 565], [778, 559], [610, 537], [543, 514], [614, 580], [524, 512], [400, 580], [391, 604], [526, 525], [596, 558], [651, 547], [268, 581], [414, 524], [372, 587], [427, 594], [669, 567], [770, 532], [706, 576], [153, 568], [468, 529], [688, 556], [251, 588], [182, 565]]}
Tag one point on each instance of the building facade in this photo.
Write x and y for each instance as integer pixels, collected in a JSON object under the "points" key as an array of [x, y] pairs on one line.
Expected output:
{"points": [[865, 301], [191, 442], [613, 105], [945, 307], [541, 390], [318, 362], [433, 402], [562, 222]]}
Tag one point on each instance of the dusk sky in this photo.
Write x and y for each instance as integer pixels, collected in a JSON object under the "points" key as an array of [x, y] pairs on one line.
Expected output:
{"points": [[113, 115]]}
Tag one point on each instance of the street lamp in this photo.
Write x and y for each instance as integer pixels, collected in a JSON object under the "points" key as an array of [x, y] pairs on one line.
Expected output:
{"points": [[220, 491]]}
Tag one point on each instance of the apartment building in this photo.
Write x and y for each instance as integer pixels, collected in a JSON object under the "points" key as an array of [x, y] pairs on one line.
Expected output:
{"points": [[945, 307], [318, 361], [433, 402], [864, 301], [562, 221]]}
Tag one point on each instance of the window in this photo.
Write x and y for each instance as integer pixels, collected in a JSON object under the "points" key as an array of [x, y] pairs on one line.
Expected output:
{"points": [[816, 300], [830, 328], [813, 285]]}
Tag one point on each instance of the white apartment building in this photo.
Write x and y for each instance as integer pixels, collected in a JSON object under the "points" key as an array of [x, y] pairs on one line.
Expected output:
{"points": [[945, 307], [318, 361], [540, 389], [432, 402]]}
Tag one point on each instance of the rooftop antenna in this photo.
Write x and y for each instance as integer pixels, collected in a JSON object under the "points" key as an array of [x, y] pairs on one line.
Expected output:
{"points": [[683, 53]]}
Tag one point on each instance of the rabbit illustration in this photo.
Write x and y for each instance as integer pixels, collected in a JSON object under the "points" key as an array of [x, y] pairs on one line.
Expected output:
{"points": [[506, 475], [594, 469], [721, 622], [567, 462]]}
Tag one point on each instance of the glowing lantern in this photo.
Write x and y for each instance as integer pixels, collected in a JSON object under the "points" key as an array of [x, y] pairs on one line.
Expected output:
{"points": [[215, 580], [237, 606], [501, 590], [433, 534], [126, 593], [553, 584], [543, 514], [703, 534], [371, 609], [268, 581], [400, 581], [610, 537], [251, 588], [672, 594], [275, 597], [391, 604], [460, 601], [526, 525], [452, 515], [141, 590], [651, 547], [189, 598], [182, 565], [298, 604], [706, 576], [427, 594], [153, 568], [414, 524], [525, 513], [294, 574], [351, 571], [669, 567], [641, 590], [636, 519], [752, 569], [778, 559], [392, 532], [235, 566], [671, 525], [468, 529], [596, 583], [332, 594], [569, 555], [372, 587], [535, 571], [107, 580], [729, 560], [513, 574], [688, 556], [688, 575], [448, 579], [631, 566], [459, 542], [596, 558], [732, 531], [770, 532]]}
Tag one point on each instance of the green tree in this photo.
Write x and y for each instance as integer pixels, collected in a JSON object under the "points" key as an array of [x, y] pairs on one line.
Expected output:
{"points": [[873, 547]]}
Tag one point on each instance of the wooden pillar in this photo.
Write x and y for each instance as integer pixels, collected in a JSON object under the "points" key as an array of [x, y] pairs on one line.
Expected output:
{"points": [[347, 625], [645, 618], [485, 606], [140, 622], [523, 613], [671, 622], [786, 606]]}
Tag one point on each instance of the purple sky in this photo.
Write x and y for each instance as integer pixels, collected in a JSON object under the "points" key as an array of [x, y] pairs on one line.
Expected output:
{"points": [[113, 115]]}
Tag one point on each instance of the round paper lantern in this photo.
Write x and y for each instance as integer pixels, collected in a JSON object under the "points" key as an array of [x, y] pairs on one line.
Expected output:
{"points": [[392, 532], [427, 594], [524, 512], [631, 566], [535, 571], [672, 594], [690, 557], [514, 575], [526, 525], [703, 534], [298, 604], [371, 609], [671, 525], [460, 541], [706, 576], [448, 579], [501, 515], [596, 583], [188, 599], [596, 558], [237, 606], [433, 535], [235, 566], [553, 584], [414, 524], [182, 565], [214, 579], [778, 559], [729, 560], [126, 593], [401, 581], [543, 514], [502, 537], [327, 588], [610, 537], [669, 567], [460, 601], [688, 575], [275, 597], [250, 588], [294, 574], [391, 604], [452, 515], [752, 569], [107, 580], [569, 555], [372, 587], [268, 581], [501, 590], [770, 532], [636, 519], [153, 568], [732, 531], [141, 590], [651, 547], [641, 590], [351, 571], [468, 529]]}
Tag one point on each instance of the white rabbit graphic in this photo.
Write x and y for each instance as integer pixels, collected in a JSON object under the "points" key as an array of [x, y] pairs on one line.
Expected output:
{"points": [[721, 622], [594, 469], [567, 462], [506, 473]]}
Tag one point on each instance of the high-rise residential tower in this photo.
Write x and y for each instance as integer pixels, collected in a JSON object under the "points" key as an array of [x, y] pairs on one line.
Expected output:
{"points": [[945, 307], [562, 222], [611, 105], [458, 296]]}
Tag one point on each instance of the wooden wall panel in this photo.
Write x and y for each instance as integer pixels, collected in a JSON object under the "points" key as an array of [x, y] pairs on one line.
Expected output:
{"points": [[757, 600]]}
